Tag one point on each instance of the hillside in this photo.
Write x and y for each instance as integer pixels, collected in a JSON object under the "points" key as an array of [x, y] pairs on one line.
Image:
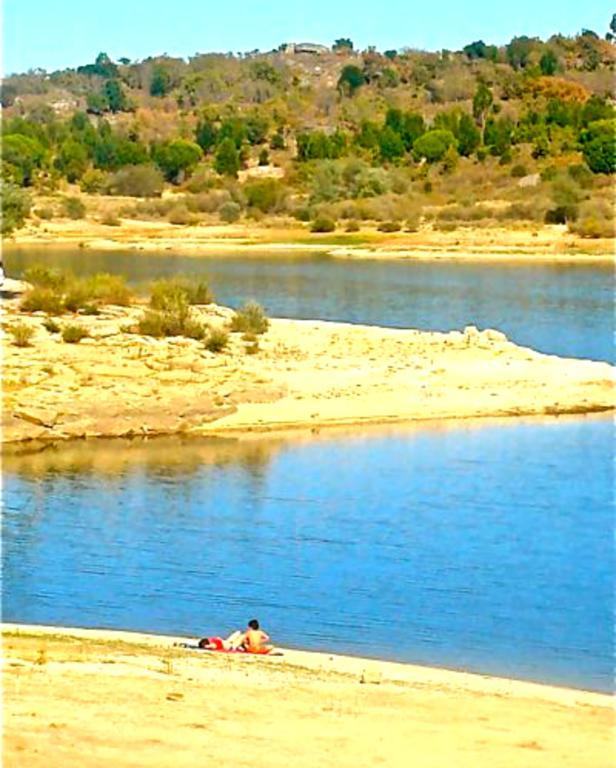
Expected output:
{"points": [[516, 135]]}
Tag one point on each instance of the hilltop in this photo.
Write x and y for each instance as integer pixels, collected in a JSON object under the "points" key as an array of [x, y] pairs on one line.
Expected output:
{"points": [[517, 136]]}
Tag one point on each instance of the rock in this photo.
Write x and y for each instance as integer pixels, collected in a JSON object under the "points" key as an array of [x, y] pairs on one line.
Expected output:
{"points": [[529, 181], [41, 417]]}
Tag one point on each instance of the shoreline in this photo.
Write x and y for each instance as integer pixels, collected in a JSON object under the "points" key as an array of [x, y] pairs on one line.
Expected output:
{"points": [[103, 697], [547, 244], [394, 671], [303, 375]]}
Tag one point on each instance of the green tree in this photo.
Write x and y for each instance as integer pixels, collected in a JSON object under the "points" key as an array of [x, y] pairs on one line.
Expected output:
{"points": [[468, 136], [391, 146], [548, 63], [498, 135], [599, 146], [351, 79], [161, 83], [176, 158], [206, 134], [343, 44], [482, 101], [227, 160], [115, 96], [72, 160], [15, 207], [433, 145], [519, 51], [21, 157]]}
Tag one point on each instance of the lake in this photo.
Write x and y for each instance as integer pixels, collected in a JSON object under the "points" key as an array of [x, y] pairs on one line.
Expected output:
{"points": [[478, 546], [564, 309]]}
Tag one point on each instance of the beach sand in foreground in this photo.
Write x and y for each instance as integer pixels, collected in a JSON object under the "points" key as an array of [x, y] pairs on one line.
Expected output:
{"points": [[99, 698]]}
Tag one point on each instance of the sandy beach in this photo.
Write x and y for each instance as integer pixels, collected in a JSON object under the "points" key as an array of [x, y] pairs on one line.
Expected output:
{"points": [[99, 698], [304, 374]]}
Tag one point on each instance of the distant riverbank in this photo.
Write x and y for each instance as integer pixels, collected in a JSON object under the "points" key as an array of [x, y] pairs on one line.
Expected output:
{"points": [[63, 688], [539, 243]]}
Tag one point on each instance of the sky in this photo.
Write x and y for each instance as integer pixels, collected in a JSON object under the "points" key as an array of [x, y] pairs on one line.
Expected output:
{"points": [[56, 34]]}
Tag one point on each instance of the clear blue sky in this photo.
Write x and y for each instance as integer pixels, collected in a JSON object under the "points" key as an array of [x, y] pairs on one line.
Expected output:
{"points": [[55, 34]]}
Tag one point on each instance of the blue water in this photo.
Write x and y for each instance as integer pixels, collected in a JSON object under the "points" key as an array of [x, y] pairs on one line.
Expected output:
{"points": [[564, 309], [484, 548]]}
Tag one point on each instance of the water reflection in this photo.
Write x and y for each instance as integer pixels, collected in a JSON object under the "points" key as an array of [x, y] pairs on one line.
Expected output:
{"points": [[482, 547]]}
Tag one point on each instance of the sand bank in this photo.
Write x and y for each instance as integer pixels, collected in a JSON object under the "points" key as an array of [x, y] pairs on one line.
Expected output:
{"points": [[304, 374], [97, 697], [551, 243]]}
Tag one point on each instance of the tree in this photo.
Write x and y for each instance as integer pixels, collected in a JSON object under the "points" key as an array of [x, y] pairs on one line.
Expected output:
{"points": [[498, 135], [72, 160], [599, 146], [433, 145], [115, 96], [548, 63], [351, 79], [390, 54], [15, 207], [343, 44], [482, 101], [206, 134], [176, 158], [476, 50], [519, 50], [391, 146], [468, 136], [227, 160], [161, 84], [21, 157]]}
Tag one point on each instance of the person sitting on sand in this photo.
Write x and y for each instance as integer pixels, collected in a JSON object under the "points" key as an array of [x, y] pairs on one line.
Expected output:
{"points": [[255, 639]]}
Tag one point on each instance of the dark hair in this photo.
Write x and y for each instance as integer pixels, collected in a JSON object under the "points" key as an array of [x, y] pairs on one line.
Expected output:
{"points": [[253, 624]]}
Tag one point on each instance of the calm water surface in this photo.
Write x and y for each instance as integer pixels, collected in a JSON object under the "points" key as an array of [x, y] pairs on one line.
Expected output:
{"points": [[560, 309], [484, 548]]}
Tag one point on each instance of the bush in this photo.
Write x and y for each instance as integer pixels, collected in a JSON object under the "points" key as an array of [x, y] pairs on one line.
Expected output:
{"points": [[22, 334], [42, 299], [433, 145], [268, 195], [596, 219], [230, 212], [352, 226], [46, 277], [78, 296], [389, 226], [581, 175], [180, 215], [250, 318], [217, 340], [15, 207], [50, 325], [45, 213], [93, 182], [73, 333], [73, 208], [136, 181], [252, 349], [108, 289], [169, 294], [111, 220], [176, 322], [518, 171], [323, 224]]}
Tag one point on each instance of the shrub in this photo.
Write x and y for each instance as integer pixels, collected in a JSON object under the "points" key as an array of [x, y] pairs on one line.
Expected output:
{"points": [[176, 322], [518, 171], [109, 289], [229, 212], [42, 299], [180, 215], [352, 226], [596, 219], [50, 325], [389, 226], [250, 318], [73, 208], [267, 195], [217, 340], [581, 175], [93, 181], [169, 294], [45, 277], [433, 145], [45, 213], [252, 349], [72, 333], [16, 205], [202, 180], [323, 224], [111, 220], [78, 296], [136, 181], [22, 334]]}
